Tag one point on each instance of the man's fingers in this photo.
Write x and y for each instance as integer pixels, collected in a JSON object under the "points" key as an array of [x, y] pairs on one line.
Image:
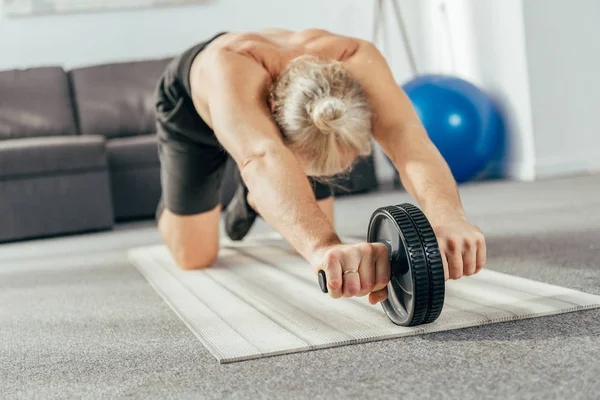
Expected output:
{"points": [[455, 260], [444, 257], [379, 296], [481, 257], [382, 274], [469, 258], [382, 267], [351, 285], [333, 272], [367, 270]]}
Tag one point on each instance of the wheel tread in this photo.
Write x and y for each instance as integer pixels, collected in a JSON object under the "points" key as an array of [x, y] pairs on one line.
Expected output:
{"points": [[435, 266], [418, 258]]}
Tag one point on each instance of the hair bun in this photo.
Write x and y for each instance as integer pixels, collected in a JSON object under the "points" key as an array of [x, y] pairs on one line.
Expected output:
{"points": [[325, 111]]}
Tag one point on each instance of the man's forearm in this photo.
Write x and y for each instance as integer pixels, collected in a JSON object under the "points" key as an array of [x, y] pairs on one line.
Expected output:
{"points": [[284, 198], [426, 175]]}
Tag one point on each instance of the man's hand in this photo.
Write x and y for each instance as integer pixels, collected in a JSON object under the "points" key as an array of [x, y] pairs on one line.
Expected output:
{"points": [[355, 270], [462, 247]]}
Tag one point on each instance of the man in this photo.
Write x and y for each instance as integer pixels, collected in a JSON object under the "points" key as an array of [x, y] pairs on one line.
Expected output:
{"points": [[291, 109]]}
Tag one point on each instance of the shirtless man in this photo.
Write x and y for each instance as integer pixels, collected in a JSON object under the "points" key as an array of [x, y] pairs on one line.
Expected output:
{"points": [[291, 108]]}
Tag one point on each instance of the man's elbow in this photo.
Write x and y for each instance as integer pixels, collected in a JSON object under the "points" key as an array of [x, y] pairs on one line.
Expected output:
{"points": [[261, 157]]}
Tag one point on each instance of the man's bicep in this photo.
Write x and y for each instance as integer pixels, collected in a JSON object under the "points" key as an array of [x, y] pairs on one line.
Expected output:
{"points": [[238, 106]]}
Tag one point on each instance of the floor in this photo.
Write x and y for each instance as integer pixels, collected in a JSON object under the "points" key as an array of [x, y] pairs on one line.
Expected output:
{"points": [[78, 321]]}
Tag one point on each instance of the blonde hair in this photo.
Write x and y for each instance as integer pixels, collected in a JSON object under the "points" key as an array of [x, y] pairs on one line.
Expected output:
{"points": [[323, 113]]}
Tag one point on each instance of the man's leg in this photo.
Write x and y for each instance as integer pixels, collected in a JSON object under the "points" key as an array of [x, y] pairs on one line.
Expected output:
{"points": [[192, 164], [190, 208], [193, 240], [240, 213]]}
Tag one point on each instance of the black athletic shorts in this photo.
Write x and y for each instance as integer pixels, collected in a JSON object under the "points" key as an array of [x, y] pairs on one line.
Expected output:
{"points": [[192, 159]]}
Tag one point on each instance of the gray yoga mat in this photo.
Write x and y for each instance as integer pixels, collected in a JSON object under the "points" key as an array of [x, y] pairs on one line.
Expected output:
{"points": [[262, 299]]}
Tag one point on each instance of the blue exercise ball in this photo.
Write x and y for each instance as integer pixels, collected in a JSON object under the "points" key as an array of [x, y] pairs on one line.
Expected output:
{"points": [[461, 120]]}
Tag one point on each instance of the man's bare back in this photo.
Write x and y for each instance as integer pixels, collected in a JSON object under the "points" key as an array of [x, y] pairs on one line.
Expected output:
{"points": [[275, 48], [272, 49]]}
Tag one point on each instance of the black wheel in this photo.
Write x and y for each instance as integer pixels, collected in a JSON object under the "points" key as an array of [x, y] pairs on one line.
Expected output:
{"points": [[437, 286], [415, 292]]}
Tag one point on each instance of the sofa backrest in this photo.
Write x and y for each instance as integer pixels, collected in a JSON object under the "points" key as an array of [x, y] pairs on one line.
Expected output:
{"points": [[117, 100], [35, 102]]}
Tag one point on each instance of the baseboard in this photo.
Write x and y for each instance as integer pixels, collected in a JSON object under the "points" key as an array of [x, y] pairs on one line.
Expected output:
{"points": [[517, 171], [557, 166]]}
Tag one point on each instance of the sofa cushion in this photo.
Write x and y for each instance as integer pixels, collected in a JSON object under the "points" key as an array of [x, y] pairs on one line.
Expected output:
{"points": [[116, 100], [51, 155], [47, 205], [35, 102], [132, 151]]}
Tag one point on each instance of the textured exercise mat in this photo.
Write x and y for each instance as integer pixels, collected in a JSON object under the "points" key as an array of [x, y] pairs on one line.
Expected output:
{"points": [[261, 299]]}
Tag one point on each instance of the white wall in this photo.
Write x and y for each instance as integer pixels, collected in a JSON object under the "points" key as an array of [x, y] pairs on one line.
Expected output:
{"points": [[87, 38], [483, 42], [391, 45], [563, 44]]}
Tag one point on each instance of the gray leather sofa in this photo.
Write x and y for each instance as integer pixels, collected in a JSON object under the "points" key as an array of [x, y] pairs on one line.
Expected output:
{"points": [[52, 180], [78, 150], [115, 101]]}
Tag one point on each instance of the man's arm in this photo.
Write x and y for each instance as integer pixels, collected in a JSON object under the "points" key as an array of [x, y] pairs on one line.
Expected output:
{"points": [[397, 128], [280, 190], [422, 169]]}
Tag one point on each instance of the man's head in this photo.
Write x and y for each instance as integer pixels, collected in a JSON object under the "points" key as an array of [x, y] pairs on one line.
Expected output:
{"points": [[323, 114]]}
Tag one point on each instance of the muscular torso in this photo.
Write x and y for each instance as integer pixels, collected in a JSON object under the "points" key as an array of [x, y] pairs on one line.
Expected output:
{"points": [[273, 49]]}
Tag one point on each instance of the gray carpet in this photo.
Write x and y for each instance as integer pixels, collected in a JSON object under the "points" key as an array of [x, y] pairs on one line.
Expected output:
{"points": [[76, 320]]}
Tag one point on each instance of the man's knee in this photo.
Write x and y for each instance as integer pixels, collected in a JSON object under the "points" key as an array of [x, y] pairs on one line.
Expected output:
{"points": [[192, 255], [192, 241]]}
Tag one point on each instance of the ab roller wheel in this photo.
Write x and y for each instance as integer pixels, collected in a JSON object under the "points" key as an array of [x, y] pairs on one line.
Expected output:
{"points": [[416, 287]]}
